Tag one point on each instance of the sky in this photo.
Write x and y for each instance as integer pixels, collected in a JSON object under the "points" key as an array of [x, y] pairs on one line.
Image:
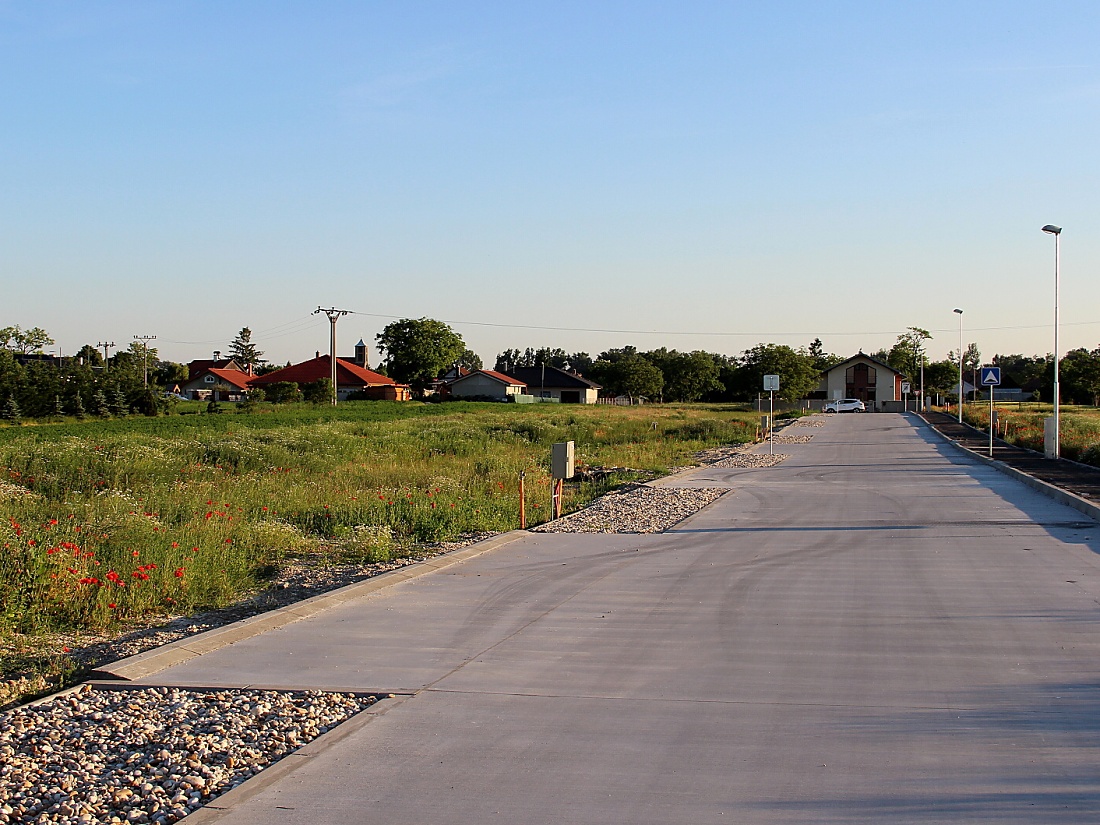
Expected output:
{"points": [[583, 175]]}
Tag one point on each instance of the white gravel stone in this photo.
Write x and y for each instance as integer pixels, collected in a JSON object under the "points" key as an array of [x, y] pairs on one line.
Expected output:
{"points": [[635, 509], [151, 754], [793, 438]]}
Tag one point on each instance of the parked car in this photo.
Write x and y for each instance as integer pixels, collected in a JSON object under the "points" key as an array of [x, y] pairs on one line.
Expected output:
{"points": [[845, 405]]}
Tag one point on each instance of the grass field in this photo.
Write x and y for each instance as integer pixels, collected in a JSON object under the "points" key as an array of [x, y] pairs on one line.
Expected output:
{"points": [[1022, 424], [107, 521]]}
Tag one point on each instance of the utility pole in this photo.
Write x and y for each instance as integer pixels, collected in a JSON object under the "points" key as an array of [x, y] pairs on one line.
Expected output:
{"points": [[106, 347], [333, 316], [145, 339]]}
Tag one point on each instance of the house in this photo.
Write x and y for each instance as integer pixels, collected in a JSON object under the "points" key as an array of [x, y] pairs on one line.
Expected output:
{"points": [[214, 384], [200, 365], [442, 385], [350, 378], [551, 382], [874, 382], [486, 384]]}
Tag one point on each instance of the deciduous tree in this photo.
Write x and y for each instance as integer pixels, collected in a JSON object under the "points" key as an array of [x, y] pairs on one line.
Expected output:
{"points": [[417, 350], [795, 368]]}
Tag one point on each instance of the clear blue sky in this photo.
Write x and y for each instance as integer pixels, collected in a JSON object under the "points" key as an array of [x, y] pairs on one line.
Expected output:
{"points": [[723, 173]]}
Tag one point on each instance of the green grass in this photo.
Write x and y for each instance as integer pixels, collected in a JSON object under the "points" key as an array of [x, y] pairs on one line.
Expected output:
{"points": [[1080, 427], [103, 522]]}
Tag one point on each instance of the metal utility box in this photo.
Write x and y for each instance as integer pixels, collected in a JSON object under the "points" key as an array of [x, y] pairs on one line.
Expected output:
{"points": [[561, 460]]}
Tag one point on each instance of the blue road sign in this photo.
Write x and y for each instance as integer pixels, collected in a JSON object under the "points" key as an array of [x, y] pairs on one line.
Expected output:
{"points": [[991, 376]]}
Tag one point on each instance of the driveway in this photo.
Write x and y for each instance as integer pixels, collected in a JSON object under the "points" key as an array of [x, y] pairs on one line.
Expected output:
{"points": [[878, 629]]}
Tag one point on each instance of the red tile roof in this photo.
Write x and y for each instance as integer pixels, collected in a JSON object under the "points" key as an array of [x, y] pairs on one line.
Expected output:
{"points": [[234, 377], [200, 365], [347, 374]]}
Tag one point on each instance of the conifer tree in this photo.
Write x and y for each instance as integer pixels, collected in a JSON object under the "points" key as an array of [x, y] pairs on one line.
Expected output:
{"points": [[244, 352]]}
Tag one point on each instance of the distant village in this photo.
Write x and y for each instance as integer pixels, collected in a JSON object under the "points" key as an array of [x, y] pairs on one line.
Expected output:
{"points": [[225, 379]]}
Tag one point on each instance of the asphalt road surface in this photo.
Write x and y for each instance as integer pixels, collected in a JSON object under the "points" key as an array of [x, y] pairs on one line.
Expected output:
{"points": [[877, 630]]}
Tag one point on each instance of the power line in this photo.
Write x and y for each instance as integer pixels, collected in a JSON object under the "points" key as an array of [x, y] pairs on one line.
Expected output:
{"points": [[299, 325], [704, 333]]}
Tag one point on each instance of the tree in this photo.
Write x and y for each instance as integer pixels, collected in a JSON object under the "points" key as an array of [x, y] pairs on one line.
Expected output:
{"points": [[118, 405], [168, 373], [244, 352], [318, 392], [283, 391], [630, 375], [580, 362], [24, 341], [11, 411], [90, 356], [417, 350], [100, 407], [1079, 376], [638, 378], [941, 377], [972, 359], [530, 357], [688, 376], [469, 360], [1021, 368], [907, 355], [822, 360], [508, 360], [797, 374]]}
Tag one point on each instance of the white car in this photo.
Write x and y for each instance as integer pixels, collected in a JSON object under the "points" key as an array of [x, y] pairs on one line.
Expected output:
{"points": [[845, 405]]}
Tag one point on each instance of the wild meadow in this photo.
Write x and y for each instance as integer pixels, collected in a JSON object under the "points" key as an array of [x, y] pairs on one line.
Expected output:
{"points": [[106, 522], [1023, 426]]}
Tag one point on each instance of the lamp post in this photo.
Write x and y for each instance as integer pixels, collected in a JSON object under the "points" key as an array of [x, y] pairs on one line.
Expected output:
{"points": [[1056, 231], [960, 314]]}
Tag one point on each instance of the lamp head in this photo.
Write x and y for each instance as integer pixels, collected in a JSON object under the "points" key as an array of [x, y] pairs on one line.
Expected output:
{"points": [[1051, 229], [959, 311]]}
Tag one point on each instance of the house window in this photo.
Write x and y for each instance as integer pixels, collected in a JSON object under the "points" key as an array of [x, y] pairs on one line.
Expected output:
{"points": [[209, 379]]}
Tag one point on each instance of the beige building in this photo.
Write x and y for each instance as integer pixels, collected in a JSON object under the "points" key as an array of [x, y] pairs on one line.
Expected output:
{"points": [[875, 383], [486, 384]]}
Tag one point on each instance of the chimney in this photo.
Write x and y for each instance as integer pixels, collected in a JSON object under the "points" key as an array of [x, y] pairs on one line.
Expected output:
{"points": [[318, 354], [250, 369], [217, 355]]}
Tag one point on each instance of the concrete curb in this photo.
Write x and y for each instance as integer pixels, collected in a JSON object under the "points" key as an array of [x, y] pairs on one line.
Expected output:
{"points": [[1081, 505], [174, 653]]}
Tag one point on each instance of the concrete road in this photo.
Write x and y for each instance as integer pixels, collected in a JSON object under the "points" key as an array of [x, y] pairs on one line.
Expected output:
{"points": [[876, 630]]}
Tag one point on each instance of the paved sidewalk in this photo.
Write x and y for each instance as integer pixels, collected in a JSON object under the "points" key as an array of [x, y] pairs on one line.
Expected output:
{"points": [[879, 629]]}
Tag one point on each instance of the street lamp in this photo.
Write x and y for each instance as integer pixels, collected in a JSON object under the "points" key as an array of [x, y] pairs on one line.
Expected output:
{"points": [[959, 312], [1056, 231]]}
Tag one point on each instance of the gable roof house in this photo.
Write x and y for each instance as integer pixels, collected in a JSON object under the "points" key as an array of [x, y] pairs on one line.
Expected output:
{"points": [[874, 382], [200, 365], [552, 382], [213, 384], [350, 378], [486, 384]]}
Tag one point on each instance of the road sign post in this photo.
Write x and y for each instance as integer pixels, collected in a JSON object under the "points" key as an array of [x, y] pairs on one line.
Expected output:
{"points": [[771, 384], [905, 389], [991, 377]]}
